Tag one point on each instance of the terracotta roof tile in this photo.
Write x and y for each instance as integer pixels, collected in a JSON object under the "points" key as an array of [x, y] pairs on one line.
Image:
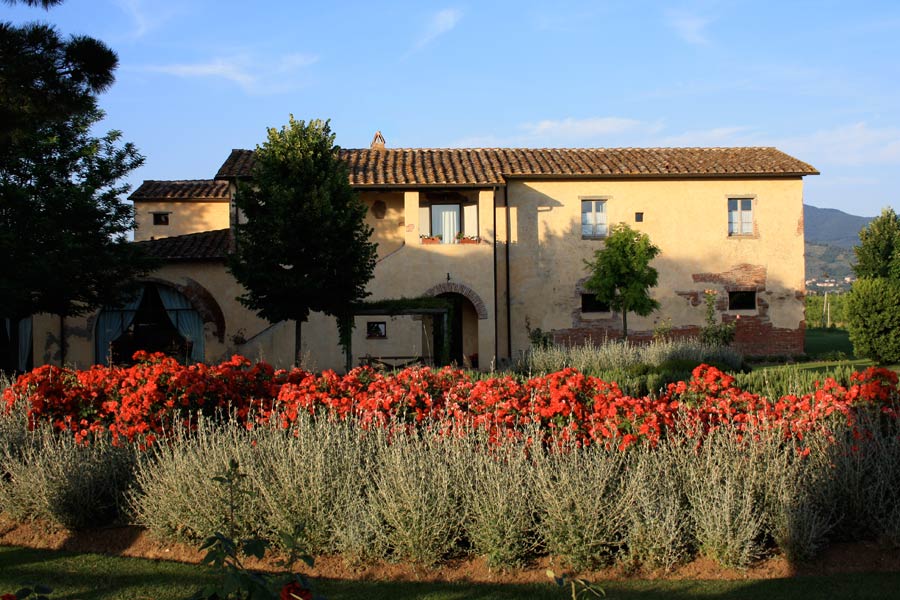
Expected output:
{"points": [[193, 189], [489, 166], [206, 245]]}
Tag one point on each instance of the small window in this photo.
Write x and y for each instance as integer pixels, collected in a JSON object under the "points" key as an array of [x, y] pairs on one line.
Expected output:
{"points": [[742, 300], [161, 218], [593, 219], [740, 216], [376, 330], [638, 217], [590, 304]]}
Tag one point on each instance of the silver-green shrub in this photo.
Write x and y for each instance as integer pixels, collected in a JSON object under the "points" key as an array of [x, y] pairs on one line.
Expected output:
{"points": [[306, 478], [867, 479], [176, 496], [724, 485], [582, 503], [499, 502], [792, 379], [52, 478], [615, 355], [659, 531], [798, 500], [417, 495]]}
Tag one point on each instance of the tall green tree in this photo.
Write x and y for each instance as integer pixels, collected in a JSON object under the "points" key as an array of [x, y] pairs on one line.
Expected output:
{"points": [[621, 275], [878, 252], [873, 305], [304, 246], [63, 222]]}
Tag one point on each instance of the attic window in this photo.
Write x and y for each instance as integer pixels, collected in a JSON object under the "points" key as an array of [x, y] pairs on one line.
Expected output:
{"points": [[161, 218]]}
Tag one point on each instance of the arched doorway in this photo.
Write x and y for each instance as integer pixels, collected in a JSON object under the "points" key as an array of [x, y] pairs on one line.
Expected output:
{"points": [[463, 334], [157, 319]]}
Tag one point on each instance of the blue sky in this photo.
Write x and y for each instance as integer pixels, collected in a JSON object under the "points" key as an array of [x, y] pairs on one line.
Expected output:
{"points": [[819, 80]]}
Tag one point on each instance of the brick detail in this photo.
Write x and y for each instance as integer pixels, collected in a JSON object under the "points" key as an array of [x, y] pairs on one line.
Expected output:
{"points": [[202, 301], [756, 336], [739, 277], [451, 287]]}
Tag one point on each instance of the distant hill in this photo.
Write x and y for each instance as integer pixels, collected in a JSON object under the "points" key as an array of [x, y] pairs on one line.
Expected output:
{"points": [[830, 237], [832, 227]]}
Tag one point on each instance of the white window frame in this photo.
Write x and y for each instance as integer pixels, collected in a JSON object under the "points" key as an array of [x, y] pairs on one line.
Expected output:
{"points": [[466, 221], [594, 200], [745, 227]]}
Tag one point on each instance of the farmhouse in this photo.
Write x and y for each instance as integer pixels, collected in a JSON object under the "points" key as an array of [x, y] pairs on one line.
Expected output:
{"points": [[501, 234]]}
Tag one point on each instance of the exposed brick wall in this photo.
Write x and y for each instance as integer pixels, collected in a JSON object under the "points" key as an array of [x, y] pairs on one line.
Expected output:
{"points": [[756, 336], [740, 277], [458, 288]]}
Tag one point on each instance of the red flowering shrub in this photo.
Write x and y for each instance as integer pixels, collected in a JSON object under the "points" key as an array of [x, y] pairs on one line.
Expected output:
{"points": [[144, 402]]}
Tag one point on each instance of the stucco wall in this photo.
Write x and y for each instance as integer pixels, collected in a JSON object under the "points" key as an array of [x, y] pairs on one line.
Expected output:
{"points": [[688, 220], [185, 217]]}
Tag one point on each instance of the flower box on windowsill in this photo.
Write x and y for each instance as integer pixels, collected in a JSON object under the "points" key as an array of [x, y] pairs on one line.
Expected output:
{"points": [[430, 240], [469, 240]]}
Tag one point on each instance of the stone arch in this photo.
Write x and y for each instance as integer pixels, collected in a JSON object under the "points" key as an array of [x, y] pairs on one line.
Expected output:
{"points": [[463, 290], [200, 298]]}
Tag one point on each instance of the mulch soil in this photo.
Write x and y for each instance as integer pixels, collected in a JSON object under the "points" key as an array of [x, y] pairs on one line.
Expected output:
{"points": [[839, 558]]}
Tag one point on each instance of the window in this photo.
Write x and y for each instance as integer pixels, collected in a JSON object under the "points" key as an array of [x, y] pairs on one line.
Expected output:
{"points": [[593, 219], [742, 300], [160, 218], [448, 216], [638, 217], [590, 304], [740, 216], [376, 330]]}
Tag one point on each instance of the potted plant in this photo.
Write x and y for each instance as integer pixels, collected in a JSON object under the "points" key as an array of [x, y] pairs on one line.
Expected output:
{"points": [[466, 239], [430, 239]]}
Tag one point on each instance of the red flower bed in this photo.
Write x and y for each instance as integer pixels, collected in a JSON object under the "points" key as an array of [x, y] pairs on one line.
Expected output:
{"points": [[143, 402]]}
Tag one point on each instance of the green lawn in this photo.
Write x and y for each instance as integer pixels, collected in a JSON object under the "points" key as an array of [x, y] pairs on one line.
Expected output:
{"points": [[96, 577], [821, 341]]}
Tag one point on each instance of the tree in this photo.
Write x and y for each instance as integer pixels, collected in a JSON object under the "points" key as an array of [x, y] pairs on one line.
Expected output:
{"points": [[63, 226], [621, 275], [45, 4], [305, 245], [878, 252], [873, 305], [873, 311]]}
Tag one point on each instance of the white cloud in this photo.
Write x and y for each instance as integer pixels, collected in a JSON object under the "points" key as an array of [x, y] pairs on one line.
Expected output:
{"points": [[689, 27], [440, 23], [716, 136], [848, 145], [252, 75], [591, 127], [144, 18], [569, 131]]}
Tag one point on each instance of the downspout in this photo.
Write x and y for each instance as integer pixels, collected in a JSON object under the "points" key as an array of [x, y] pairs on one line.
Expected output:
{"points": [[496, 320], [508, 291]]}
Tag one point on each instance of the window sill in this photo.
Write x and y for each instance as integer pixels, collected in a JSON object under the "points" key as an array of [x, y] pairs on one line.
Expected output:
{"points": [[594, 237]]}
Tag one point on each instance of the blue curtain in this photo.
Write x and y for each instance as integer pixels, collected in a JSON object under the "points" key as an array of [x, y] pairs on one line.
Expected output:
{"points": [[25, 343], [185, 319], [112, 323]]}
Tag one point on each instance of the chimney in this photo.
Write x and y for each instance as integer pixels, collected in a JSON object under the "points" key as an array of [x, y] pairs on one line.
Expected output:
{"points": [[377, 141]]}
